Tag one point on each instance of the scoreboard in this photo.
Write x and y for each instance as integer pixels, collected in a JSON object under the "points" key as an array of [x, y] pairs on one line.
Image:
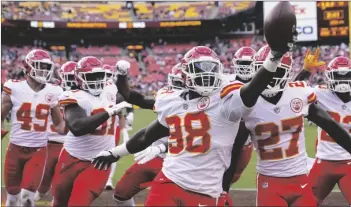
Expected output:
{"points": [[333, 19]]}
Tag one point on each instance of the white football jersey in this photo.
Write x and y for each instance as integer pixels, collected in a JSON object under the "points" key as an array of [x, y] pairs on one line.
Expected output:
{"points": [[87, 146], [30, 112], [277, 131], [202, 133], [327, 148], [227, 79]]}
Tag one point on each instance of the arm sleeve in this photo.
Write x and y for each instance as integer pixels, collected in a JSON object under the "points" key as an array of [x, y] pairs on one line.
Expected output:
{"points": [[10, 89]]}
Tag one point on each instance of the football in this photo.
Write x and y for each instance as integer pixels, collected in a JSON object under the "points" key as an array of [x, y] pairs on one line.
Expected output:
{"points": [[279, 26]]}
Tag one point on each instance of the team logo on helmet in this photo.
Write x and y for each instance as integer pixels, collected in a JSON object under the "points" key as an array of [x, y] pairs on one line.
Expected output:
{"points": [[203, 103], [296, 105], [49, 97]]}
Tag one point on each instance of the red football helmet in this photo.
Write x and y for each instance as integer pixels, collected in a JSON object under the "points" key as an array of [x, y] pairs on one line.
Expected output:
{"points": [[111, 71], [242, 61], [175, 79], [39, 65], [282, 75], [339, 75], [202, 70], [66, 73], [90, 75]]}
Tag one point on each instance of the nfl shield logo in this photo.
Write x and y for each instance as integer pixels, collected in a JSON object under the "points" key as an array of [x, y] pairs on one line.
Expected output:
{"points": [[343, 107], [277, 110], [185, 106]]}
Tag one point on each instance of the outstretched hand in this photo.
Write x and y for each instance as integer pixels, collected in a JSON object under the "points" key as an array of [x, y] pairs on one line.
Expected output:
{"points": [[311, 61], [104, 160]]}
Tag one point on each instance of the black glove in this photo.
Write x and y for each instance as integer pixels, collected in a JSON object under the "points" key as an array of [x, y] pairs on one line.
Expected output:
{"points": [[104, 159]]}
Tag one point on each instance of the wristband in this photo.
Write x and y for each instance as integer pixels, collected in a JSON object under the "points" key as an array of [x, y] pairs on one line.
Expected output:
{"points": [[271, 65], [120, 151], [162, 148]]}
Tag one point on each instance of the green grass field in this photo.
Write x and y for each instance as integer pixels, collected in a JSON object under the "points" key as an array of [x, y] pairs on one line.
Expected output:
{"points": [[144, 117]]}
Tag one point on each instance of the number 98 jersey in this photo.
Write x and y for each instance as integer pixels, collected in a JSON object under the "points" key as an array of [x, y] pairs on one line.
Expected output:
{"points": [[202, 133], [30, 112], [85, 147], [277, 131]]}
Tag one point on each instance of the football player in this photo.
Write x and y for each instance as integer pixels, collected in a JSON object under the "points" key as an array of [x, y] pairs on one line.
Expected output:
{"points": [[201, 122], [276, 126], [242, 151], [55, 140], [67, 75], [91, 120], [333, 163], [149, 161], [31, 102]]}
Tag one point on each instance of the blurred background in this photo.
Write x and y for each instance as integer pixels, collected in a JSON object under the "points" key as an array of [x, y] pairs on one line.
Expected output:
{"points": [[154, 36]]}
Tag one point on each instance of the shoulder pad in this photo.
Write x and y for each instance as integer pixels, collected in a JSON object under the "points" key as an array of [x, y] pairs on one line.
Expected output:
{"points": [[10, 85], [312, 97], [297, 84], [227, 89], [67, 98], [164, 92], [322, 86]]}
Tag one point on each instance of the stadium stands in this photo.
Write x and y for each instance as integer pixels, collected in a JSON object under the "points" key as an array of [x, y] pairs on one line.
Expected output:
{"points": [[151, 70], [120, 11]]}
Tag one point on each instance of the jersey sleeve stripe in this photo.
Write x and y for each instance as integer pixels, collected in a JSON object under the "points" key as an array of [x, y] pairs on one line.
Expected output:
{"points": [[7, 90], [226, 90], [68, 101], [312, 98]]}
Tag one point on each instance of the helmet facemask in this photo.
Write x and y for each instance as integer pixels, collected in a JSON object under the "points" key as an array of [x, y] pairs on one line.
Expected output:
{"points": [[67, 80], [339, 80], [93, 81], [175, 81], [279, 81], [40, 70], [244, 69], [203, 76]]}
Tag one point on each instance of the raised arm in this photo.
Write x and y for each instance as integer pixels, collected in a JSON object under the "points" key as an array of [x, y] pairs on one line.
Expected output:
{"points": [[131, 96], [321, 118], [251, 91], [310, 63]]}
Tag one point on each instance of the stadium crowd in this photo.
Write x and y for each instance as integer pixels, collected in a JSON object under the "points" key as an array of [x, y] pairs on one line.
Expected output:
{"points": [[151, 66], [121, 11]]}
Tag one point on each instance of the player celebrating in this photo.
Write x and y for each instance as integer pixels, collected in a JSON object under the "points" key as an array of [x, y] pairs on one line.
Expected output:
{"points": [[91, 121], [149, 161], [55, 140], [244, 71], [333, 163], [277, 130], [199, 155], [31, 102]]}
